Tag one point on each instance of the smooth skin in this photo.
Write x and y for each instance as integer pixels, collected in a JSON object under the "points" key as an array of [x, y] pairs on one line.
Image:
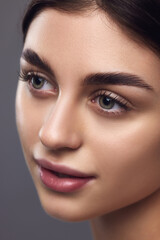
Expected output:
{"points": [[65, 122]]}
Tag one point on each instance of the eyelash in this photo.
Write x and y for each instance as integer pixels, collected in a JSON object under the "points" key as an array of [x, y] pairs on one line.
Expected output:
{"points": [[27, 76], [24, 75], [116, 99]]}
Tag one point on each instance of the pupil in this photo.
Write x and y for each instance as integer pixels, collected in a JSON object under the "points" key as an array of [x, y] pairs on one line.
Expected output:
{"points": [[106, 102], [37, 82]]}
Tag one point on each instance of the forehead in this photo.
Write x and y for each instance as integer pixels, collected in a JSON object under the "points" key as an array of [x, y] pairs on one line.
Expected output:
{"points": [[90, 30], [86, 42]]}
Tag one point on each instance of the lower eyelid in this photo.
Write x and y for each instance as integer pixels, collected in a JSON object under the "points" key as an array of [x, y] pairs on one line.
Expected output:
{"points": [[108, 113], [123, 108], [41, 93], [122, 103]]}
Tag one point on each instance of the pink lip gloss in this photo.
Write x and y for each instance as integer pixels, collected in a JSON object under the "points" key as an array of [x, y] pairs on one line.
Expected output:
{"points": [[61, 178], [62, 184]]}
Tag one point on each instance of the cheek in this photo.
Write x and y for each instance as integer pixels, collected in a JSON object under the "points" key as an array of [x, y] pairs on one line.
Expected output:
{"points": [[128, 162], [29, 118], [126, 144]]}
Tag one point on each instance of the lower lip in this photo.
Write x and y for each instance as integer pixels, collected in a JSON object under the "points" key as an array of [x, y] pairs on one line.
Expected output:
{"points": [[63, 185]]}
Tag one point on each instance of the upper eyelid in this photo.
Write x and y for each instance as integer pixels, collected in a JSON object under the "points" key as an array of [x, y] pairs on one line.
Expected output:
{"points": [[29, 66], [129, 105], [35, 71], [47, 77], [111, 94], [24, 75], [120, 102]]}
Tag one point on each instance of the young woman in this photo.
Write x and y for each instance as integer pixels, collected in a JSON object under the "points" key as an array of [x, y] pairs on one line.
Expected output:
{"points": [[88, 110]]}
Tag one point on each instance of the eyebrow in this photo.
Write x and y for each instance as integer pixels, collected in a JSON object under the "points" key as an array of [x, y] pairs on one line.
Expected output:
{"points": [[112, 78], [117, 78], [32, 58]]}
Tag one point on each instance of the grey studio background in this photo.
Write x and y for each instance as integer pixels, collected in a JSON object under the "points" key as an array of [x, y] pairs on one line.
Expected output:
{"points": [[21, 216]]}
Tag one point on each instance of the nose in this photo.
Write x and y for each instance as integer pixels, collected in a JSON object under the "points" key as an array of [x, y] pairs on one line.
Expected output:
{"points": [[60, 129]]}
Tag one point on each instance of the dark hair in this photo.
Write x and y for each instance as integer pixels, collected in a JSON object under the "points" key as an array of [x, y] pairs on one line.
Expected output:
{"points": [[140, 18]]}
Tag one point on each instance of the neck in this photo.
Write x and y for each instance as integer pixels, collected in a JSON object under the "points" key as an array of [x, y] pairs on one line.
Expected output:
{"points": [[137, 221]]}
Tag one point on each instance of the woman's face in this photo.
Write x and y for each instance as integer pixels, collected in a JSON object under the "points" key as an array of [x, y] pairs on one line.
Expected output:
{"points": [[88, 106]]}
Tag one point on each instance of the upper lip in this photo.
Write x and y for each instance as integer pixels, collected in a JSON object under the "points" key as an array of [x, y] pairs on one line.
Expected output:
{"points": [[61, 169]]}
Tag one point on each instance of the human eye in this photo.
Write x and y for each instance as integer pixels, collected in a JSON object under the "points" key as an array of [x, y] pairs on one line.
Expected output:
{"points": [[37, 82], [109, 103]]}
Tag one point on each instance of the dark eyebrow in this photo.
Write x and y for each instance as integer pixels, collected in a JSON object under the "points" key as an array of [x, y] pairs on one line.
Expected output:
{"points": [[116, 78], [32, 58], [113, 78]]}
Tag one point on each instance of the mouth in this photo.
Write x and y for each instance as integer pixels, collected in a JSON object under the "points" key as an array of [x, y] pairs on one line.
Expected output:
{"points": [[61, 178], [62, 175]]}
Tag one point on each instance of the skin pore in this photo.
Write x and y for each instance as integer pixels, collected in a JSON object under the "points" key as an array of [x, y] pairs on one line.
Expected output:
{"points": [[95, 109]]}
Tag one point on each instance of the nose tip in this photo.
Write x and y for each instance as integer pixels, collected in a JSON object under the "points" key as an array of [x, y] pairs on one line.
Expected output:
{"points": [[57, 139], [61, 129]]}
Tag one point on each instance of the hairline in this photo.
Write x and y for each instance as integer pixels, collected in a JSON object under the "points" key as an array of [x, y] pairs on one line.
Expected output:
{"points": [[91, 8]]}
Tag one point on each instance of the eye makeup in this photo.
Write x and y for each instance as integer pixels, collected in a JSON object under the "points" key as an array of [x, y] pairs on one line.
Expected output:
{"points": [[37, 82], [109, 103], [104, 102]]}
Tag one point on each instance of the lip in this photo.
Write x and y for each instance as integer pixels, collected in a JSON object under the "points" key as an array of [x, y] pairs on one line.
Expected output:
{"points": [[53, 176]]}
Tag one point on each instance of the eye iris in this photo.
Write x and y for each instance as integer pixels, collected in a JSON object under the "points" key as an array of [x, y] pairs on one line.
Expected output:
{"points": [[106, 102], [37, 82]]}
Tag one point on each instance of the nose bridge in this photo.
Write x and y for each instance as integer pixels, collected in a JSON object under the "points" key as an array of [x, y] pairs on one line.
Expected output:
{"points": [[63, 115], [60, 129]]}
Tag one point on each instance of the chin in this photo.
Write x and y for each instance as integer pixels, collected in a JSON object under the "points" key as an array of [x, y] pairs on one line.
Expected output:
{"points": [[64, 213], [62, 207]]}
